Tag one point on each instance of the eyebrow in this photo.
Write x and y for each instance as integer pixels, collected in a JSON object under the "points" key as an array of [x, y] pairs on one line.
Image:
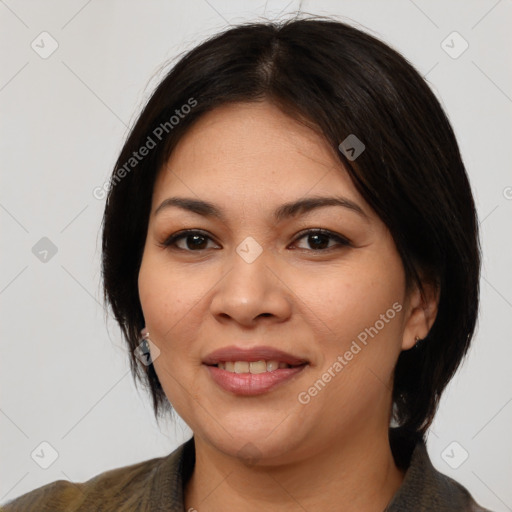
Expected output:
{"points": [[285, 211]]}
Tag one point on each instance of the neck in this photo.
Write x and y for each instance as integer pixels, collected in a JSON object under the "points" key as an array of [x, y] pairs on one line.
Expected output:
{"points": [[358, 475]]}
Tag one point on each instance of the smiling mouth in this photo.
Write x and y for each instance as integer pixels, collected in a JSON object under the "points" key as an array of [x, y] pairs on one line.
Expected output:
{"points": [[252, 378], [254, 367]]}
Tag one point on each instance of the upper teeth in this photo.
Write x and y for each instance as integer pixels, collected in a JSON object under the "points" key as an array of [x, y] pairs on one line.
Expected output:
{"points": [[252, 367]]}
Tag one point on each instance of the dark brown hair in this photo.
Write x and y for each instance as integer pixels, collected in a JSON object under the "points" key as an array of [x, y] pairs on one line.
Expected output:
{"points": [[341, 81]]}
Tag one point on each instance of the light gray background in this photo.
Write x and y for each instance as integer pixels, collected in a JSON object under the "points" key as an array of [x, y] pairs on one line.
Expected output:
{"points": [[64, 374]]}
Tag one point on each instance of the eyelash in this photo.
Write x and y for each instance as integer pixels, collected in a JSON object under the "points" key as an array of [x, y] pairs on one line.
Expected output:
{"points": [[341, 240]]}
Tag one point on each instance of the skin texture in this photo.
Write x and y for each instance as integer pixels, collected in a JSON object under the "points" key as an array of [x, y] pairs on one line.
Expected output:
{"points": [[333, 452]]}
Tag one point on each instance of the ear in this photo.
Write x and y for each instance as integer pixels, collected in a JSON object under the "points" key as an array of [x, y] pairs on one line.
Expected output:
{"points": [[420, 314]]}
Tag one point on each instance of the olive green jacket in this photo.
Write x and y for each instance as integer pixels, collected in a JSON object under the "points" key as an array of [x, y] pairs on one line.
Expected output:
{"points": [[156, 485]]}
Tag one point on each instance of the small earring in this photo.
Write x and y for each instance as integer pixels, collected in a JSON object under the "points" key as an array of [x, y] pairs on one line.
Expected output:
{"points": [[142, 352], [417, 341]]}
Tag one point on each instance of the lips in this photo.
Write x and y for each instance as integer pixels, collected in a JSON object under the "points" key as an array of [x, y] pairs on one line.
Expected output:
{"points": [[233, 354], [223, 366]]}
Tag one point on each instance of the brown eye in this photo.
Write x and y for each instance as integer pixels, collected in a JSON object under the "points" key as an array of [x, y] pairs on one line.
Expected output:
{"points": [[319, 240], [189, 241]]}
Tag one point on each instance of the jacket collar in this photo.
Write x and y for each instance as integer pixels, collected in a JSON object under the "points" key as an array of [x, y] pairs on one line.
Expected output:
{"points": [[423, 487]]}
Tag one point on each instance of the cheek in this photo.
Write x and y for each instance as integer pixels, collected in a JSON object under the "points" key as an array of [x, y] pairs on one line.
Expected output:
{"points": [[168, 292], [353, 298], [362, 302], [168, 300], [361, 309]]}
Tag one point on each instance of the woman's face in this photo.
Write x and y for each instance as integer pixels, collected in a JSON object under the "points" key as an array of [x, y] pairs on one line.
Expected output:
{"points": [[257, 277]]}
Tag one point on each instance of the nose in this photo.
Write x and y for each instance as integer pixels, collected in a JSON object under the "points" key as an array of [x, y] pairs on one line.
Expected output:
{"points": [[251, 293]]}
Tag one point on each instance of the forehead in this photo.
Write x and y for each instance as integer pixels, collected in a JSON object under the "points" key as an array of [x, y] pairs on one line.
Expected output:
{"points": [[252, 152]]}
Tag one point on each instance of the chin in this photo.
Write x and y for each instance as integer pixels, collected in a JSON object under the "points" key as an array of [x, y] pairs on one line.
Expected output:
{"points": [[255, 446]]}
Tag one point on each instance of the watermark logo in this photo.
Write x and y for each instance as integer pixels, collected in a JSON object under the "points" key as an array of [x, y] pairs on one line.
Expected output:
{"points": [[152, 140], [44, 455], [304, 397], [44, 250], [454, 45], [351, 147], [250, 454], [44, 45], [454, 455], [249, 249], [147, 352]]}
